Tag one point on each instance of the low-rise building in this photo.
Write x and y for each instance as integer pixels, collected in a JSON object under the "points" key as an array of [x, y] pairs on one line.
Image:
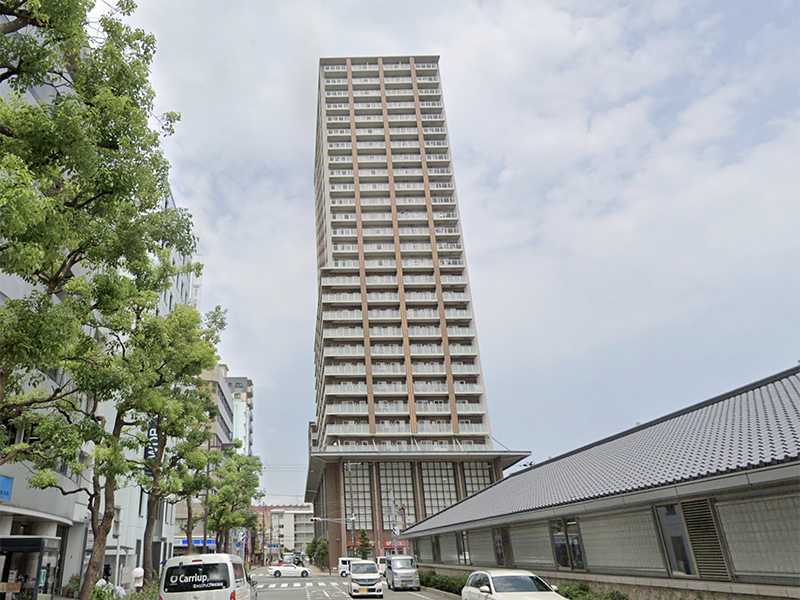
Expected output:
{"points": [[704, 502]]}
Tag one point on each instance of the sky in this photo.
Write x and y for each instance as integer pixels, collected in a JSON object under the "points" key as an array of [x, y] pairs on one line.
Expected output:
{"points": [[628, 176]]}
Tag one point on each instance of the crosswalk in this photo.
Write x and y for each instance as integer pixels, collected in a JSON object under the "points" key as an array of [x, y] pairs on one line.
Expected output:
{"points": [[300, 584]]}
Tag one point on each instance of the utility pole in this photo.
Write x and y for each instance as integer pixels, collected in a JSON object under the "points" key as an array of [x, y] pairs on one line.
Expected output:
{"points": [[393, 506]]}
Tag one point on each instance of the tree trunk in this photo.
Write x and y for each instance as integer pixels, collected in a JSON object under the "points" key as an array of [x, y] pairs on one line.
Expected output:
{"points": [[147, 541], [101, 531], [189, 530]]}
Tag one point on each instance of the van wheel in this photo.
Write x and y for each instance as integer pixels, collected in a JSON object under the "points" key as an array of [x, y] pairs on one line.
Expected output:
{"points": [[343, 573]]}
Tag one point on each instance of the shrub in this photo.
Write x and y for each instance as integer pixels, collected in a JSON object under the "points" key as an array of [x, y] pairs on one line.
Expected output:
{"points": [[581, 591], [149, 592], [446, 583]]}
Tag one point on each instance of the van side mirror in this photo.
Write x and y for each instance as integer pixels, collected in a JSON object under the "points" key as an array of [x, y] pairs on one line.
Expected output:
{"points": [[484, 589]]}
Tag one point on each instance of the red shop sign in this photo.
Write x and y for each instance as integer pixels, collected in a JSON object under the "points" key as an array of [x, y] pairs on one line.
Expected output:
{"points": [[400, 544]]}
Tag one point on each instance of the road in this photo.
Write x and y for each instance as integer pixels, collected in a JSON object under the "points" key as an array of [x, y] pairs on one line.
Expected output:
{"points": [[319, 587]]}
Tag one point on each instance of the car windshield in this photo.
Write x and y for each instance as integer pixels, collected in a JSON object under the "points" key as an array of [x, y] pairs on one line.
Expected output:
{"points": [[519, 583], [362, 568], [403, 563]]}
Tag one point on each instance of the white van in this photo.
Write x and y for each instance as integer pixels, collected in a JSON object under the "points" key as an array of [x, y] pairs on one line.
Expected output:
{"points": [[343, 567], [381, 560], [204, 577]]}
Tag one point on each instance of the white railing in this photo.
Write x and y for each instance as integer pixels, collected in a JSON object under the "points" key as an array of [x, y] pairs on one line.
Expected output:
{"points": [[417, 262], [372, 187], [375, 201], [420, 296], [451, 262], [385, 331], [432, 408], [409, 279], [346, 388], [460, 331], [424, 331], [372, 173], [411, 200], [392, 428], [425, 349], [343, 351], [429, 387], [422, 313], [423, 427], [385, 368], [340, 280], [378, 231], [341, 314], [346, 369], [466, 427], [376, 216], [382, 247], [463, 349], [467, 388], [343, 201], [356, 332], [384, 314], [457, 313], [390, 388], [383, 349], [345, 263], [470, 408], [377, 279], [414, 231], [391, 407], [415, 247], [465, 368], [455, 296], [340, 429], [341, 297], [419, 368], [414, 447]]}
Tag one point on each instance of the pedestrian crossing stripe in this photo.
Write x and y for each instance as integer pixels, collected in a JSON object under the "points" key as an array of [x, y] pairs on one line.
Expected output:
{"points": [[272, 586]]}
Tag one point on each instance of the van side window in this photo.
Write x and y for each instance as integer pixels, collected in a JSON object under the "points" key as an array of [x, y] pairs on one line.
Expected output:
{"points": [[238, 571]]}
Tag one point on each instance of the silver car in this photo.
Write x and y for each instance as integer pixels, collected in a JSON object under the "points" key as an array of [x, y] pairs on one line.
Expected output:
{"points": [[507, 584], [401, 573]]}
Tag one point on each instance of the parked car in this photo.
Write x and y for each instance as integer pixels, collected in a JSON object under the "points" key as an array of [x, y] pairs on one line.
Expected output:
{"points": [[365, 579], [288, 570], [344, 565], [507, 584], [401, 573], [205, 577]]}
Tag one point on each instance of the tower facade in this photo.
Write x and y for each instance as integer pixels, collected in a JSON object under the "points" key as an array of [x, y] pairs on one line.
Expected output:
{"points": [[402, 425]]}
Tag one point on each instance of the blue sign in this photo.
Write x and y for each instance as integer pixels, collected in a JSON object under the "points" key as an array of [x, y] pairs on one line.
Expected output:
{"points": [[6, 483], [196, 541]]}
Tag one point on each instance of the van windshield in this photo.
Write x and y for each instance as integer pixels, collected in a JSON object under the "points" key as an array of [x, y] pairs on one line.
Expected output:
{"points": [[403, 563], [189, 578], [363, 568]]}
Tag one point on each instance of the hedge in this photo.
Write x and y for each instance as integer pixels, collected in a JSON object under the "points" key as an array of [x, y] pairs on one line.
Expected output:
{"points": [[446, 583]]}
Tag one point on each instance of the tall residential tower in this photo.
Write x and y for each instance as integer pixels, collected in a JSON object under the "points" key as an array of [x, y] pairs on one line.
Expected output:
{"points": [[402, 426]]}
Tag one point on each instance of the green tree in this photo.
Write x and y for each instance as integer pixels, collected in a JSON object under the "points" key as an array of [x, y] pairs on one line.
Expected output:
{"points": [[321, 552], [364, 545], [236, 486], [311, 548], [82, 222], [172, 405]]}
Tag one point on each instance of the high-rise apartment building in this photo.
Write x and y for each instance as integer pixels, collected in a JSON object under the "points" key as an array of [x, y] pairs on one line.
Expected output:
{"points": [[402, 425]]}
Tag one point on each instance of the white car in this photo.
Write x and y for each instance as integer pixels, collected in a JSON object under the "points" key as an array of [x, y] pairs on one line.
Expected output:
{"points": [[365, 579], [507, 584], [288, 570]]}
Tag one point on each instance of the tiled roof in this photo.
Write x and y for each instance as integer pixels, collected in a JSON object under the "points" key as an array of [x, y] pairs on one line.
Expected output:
{"points": [[751, 427]]}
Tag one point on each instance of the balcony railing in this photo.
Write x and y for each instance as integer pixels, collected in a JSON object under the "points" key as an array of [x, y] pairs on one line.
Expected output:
{"points": [[467, 388], [465, 427], [346, 369], [391, 407], [351, 408], [392, 428], [334, 315], [343, 351], [422, 387], [423, 427], [390, 388], [389, 368], [355, 332], [424, 368], [386, 349], [431, 408], [345, 388], [335, 429], [413, 447], [425, 349]]}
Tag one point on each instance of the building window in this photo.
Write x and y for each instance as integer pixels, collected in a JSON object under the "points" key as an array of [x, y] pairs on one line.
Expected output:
{"points": [[499, 555], [358, 496], [477, 475], [397, 477], [438, 487], [462, 543], [676, 541], [567, 543]]}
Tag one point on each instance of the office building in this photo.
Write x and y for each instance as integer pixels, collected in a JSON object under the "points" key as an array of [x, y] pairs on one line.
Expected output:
{"points": [[402, 422]]}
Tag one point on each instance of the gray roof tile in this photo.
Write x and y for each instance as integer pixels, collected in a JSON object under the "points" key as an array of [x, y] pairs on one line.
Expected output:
{"points": [[751, 427]]}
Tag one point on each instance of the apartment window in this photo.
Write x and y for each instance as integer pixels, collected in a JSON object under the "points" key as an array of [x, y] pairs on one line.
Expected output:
{"points": [[438, 486], [567, 543], [670, 519]]}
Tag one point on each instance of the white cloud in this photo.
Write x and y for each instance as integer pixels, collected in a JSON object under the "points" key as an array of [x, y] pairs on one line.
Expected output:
{"points": [[626, 176]]}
